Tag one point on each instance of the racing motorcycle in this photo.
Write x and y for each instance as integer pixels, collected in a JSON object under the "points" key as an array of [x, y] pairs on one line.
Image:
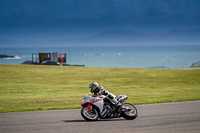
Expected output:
{"points": [[100, 107]]}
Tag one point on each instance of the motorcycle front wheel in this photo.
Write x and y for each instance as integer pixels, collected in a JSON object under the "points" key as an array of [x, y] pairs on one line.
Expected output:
{"points": [[89, 115], [130, 111]]}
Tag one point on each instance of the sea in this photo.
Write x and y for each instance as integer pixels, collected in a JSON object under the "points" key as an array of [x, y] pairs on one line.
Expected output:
{"points": [[180, 56]]}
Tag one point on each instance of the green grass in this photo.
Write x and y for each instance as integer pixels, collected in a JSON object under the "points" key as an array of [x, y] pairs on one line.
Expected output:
{"points": [[34, 87]]}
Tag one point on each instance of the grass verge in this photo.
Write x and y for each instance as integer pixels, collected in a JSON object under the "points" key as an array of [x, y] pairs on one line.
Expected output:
{"points": [[34, 87]]}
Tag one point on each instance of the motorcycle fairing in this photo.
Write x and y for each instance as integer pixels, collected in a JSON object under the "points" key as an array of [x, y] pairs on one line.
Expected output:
{"points": [[97, 101]]}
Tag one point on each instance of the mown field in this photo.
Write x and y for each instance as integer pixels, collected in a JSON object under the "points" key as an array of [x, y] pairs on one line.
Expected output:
{"points": [[34, 87]]}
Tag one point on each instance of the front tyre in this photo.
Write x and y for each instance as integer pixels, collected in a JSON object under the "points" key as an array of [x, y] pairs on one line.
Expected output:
{"points": [[130, 111], [89, 115]]}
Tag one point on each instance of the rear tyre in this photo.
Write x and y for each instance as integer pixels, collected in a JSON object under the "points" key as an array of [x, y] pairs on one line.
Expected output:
{"points": [[89, 115], [130, 111]]}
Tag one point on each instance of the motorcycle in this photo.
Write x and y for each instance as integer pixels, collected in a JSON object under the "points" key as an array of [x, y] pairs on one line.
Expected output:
{"points": [[95, 107]]}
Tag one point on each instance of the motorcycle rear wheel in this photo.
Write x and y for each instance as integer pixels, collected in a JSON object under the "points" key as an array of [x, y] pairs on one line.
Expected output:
{"points": [[130, 111], [89, 115]]}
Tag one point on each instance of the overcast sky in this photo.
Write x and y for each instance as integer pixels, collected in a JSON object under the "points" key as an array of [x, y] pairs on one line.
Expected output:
{"points": [[62, 19]]}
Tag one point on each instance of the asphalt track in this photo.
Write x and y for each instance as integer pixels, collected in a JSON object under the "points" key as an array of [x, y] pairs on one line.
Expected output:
{"points": [[179, 117]]}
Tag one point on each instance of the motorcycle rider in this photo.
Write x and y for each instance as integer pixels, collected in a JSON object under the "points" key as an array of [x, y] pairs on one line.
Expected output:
{"points": [[100, 90]]}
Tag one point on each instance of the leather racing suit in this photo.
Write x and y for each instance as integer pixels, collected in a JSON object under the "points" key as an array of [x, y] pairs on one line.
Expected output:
{"points": [[111, 97]]}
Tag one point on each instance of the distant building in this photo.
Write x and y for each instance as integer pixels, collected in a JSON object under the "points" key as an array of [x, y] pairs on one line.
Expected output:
{"points": [[53, 56]]}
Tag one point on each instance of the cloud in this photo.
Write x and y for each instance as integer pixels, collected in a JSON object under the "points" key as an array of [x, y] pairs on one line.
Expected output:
{"points": [[95, 9], [21, 16]]}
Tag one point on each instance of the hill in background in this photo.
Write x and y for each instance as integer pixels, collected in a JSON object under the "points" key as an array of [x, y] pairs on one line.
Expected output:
{"points": [[118, 37]]}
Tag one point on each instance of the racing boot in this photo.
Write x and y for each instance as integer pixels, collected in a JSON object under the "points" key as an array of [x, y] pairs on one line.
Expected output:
{"points": [[117, 103]]}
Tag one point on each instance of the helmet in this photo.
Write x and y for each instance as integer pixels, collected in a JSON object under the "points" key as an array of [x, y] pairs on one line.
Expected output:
{"points": [[94, 87]]}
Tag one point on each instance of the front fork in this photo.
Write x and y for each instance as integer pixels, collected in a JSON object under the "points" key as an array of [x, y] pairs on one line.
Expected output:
{"points": [[89, 106]]}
